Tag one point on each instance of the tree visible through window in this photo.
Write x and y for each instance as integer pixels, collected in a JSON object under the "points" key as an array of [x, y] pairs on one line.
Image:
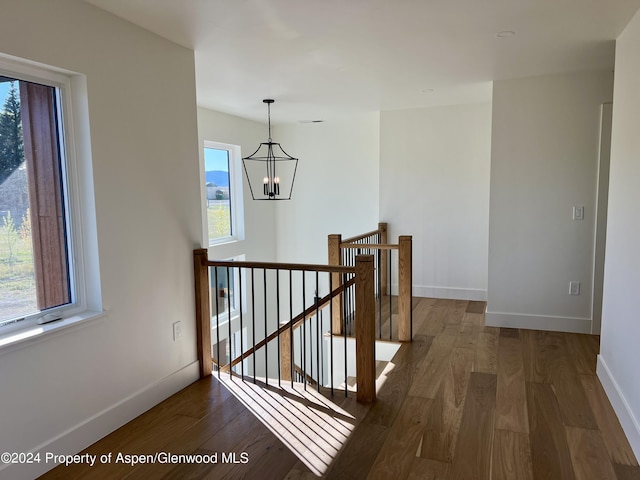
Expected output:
{"points": [[34, 265]]}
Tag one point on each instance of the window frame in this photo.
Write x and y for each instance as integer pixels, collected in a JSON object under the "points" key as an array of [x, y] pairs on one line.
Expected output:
{"points": [[78, 200], [235, 194], [239, 338], [233, 312]]}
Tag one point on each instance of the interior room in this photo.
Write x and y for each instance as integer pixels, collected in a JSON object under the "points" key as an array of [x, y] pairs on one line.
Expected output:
{"points": [[501, 137]]}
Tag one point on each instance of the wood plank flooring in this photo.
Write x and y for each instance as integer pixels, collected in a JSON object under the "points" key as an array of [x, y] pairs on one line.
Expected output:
{"points": [[462, 401]]}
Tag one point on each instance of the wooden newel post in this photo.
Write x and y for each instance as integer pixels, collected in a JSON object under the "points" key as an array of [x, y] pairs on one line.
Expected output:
{"points": [[384, 255], [335, 258], [365, 330], [203, 316], [405, 282], [285, 355]]}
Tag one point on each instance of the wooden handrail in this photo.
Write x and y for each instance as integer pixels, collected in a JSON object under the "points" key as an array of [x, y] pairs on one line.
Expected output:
{"points": [[371, 246], [280, 266], [360, 237], [290, 325]]}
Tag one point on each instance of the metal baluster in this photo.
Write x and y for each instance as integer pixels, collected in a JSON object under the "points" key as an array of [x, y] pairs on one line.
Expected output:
{"points": [[278, 323], [304, 332], [390, 297], [241, 327], [318, 344], [345, 343], [215, 269], [322, 364], [379, 284], [310, 345], [353, 297], [229, 340], [291, 351], [253, 321], [345, 306], [331, 330], [266, 359], [352, 308]]}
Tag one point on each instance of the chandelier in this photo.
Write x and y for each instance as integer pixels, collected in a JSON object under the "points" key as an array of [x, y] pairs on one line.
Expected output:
{"points": [[270, 170]]}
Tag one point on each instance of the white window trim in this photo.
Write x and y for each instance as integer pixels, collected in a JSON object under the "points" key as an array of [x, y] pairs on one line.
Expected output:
{"points": [[239, 339], [234, 311], [237, 203], [86, 298]]}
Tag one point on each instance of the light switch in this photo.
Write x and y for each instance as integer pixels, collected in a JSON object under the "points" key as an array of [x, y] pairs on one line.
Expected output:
{"points": [[574, 288], [578, 213], [177, 330]]}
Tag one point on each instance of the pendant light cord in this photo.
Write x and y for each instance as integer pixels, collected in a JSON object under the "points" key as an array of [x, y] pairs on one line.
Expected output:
{"points": [[269, 116]]}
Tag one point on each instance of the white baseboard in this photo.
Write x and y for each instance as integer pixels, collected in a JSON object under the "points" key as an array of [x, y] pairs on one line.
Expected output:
{"points": [[624, 412], [446, 292], [538, 322], [80, 436]]}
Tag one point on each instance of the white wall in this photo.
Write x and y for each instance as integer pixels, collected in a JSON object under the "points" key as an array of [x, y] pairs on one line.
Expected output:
{"points": [[68, 390], [619, 352], [544, 161], [336, 188], [434, 185], [259, 217]]}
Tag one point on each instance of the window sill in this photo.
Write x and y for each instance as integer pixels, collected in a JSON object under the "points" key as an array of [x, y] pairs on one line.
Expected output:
{"points": [[223, 241], [223, 321], [34, 333]]}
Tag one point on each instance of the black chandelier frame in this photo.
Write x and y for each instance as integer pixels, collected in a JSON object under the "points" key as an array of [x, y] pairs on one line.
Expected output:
{"points": [[274, 163]]}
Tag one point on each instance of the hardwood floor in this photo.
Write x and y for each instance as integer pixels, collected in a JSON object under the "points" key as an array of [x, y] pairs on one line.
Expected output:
{"points": [[462, 401]]}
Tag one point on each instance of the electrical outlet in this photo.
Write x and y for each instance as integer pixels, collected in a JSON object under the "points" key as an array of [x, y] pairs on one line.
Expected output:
{"points": [[574, 288], [177, 330]]}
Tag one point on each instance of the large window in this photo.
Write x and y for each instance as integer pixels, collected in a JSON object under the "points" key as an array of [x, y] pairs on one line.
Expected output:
{"points": [[42, 276], [223, 192]]}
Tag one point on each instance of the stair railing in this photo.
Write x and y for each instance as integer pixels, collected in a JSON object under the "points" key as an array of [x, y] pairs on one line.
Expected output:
{"points": [[342, 252], [265, 294]]}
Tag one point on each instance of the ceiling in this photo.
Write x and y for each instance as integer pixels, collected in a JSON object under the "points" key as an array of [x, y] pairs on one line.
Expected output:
{"points": [[321, 59]]}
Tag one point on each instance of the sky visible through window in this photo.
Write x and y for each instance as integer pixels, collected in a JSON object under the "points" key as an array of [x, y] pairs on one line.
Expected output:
{"points": [[216, 160], [4, 91]]}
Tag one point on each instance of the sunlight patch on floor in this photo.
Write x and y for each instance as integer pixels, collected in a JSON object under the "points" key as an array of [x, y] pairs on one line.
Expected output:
{"points": [[313, 427], [310, 425]]}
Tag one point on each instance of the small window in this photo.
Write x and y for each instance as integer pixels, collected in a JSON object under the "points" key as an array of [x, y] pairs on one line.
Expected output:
{"points": [[225, 292], [224, 287], [223, 192]]}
